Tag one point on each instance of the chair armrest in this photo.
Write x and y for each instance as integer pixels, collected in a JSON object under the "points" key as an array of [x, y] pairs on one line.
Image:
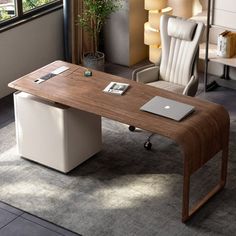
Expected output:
{"points": [[191, 87], [134, 73], [148, 75]]}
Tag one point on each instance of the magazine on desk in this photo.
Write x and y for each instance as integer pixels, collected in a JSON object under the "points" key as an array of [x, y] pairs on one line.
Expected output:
{"points": [[116, 88]]}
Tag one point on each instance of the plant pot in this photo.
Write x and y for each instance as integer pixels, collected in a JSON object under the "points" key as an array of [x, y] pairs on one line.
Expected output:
{"points": [[94, 62]]}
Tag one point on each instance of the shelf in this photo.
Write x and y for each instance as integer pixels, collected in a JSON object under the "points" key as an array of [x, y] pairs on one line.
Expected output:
{"points": [[212, 56], [224, 13]]}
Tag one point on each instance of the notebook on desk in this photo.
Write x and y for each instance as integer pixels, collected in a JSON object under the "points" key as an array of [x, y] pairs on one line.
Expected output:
{"points": [[167, 108]]}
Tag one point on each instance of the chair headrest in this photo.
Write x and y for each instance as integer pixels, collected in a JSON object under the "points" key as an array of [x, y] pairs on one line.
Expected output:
{"points": [[181, 29]]}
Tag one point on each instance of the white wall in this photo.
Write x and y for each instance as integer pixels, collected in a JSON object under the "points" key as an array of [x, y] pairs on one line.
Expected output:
{"points": [[30, 46]]}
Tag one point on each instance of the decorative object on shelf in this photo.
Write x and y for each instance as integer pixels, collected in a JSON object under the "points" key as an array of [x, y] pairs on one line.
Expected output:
{"points": [[93, 17], [156, 8], [226, 43]]}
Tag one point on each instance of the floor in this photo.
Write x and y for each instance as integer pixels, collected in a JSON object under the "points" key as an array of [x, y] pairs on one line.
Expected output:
{"points": [[14, 221], [6, 111]]}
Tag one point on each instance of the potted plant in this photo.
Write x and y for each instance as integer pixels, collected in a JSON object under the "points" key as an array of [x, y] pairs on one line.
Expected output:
{"points": [[93, 17]]}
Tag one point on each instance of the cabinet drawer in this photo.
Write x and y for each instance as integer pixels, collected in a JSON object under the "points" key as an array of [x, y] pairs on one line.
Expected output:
{"points": [[226, 5], [224, 18], [224, 13]]}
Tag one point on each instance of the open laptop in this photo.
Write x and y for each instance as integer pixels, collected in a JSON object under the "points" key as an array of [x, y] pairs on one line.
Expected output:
{"points": [[167, 108]]}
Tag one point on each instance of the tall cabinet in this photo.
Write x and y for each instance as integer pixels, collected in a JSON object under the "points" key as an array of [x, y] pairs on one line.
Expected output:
{"points": [[221, 14], [124, 34]]}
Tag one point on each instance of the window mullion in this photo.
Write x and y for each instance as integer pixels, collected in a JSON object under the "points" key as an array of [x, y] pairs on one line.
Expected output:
{"points": [[19, 8]]}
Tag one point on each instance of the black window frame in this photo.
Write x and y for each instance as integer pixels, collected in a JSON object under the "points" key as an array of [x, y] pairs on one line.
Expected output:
{"points": [[22, 17]]}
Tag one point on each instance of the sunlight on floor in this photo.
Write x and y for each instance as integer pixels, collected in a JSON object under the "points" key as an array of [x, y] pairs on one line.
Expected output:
{"points": [[132, 194], [38, 190]]}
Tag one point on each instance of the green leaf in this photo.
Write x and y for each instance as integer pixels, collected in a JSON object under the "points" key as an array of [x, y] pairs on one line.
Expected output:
{"points": [[95, 14]]}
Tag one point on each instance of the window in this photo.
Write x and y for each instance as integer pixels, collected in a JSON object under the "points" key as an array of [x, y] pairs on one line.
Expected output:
{"points": [[7, 9], [32, 4], [12, 11]]}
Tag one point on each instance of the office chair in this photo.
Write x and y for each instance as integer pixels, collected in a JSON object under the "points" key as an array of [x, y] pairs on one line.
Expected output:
{"points": [[176, 71]]}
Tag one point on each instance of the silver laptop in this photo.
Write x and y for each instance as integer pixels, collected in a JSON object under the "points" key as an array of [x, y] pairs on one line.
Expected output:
{"points": [[167, 108]]}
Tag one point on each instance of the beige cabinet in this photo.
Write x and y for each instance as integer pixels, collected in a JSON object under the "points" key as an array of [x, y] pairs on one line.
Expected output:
{"points": [[124, 34]]}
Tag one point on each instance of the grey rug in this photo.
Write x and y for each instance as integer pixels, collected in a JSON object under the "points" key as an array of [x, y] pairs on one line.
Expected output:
{"points": [[124, 190]]}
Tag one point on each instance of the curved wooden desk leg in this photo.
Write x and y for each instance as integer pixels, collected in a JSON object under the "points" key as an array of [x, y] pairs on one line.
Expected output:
{"points": [[186, 212], [186, 190], [224, 165]]}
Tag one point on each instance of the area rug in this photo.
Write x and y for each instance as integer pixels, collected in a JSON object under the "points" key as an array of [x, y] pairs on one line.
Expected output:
{"points": [[123, 190]]}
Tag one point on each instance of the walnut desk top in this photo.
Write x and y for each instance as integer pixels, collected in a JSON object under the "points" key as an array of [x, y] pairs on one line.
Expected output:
{"points": [[200, 136]]}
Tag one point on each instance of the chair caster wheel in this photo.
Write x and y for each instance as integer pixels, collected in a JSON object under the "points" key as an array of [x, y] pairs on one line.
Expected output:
{"points": [[131, 128], [148, 145]]}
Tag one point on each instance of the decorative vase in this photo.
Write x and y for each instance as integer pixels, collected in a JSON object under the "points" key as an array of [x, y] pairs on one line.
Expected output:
{"points": [[94, 62]]}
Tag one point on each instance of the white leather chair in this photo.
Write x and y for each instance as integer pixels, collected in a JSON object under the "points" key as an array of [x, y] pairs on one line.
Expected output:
{"points": [[176, 71]]}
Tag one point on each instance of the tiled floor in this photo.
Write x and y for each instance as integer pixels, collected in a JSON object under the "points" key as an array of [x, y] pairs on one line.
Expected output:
{"points": [[15, 222]]}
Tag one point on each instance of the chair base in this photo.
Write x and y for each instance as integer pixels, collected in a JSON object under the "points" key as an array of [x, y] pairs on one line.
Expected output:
{"points": [[132, 128], [148, 145]]}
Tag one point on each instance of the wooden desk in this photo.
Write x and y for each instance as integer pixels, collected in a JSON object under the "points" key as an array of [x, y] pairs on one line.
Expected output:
{"points": [[200, 136]]}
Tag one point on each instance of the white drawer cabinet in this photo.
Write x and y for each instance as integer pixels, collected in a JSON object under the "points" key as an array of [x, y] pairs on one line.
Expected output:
{"points": [[55, 136]]}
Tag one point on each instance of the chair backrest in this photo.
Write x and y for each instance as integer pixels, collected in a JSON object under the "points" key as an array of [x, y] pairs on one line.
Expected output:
{"points": [[180, 44]]}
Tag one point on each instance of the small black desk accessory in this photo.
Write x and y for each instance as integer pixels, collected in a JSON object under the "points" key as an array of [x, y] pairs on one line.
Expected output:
{"points": [[88, 73]]}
